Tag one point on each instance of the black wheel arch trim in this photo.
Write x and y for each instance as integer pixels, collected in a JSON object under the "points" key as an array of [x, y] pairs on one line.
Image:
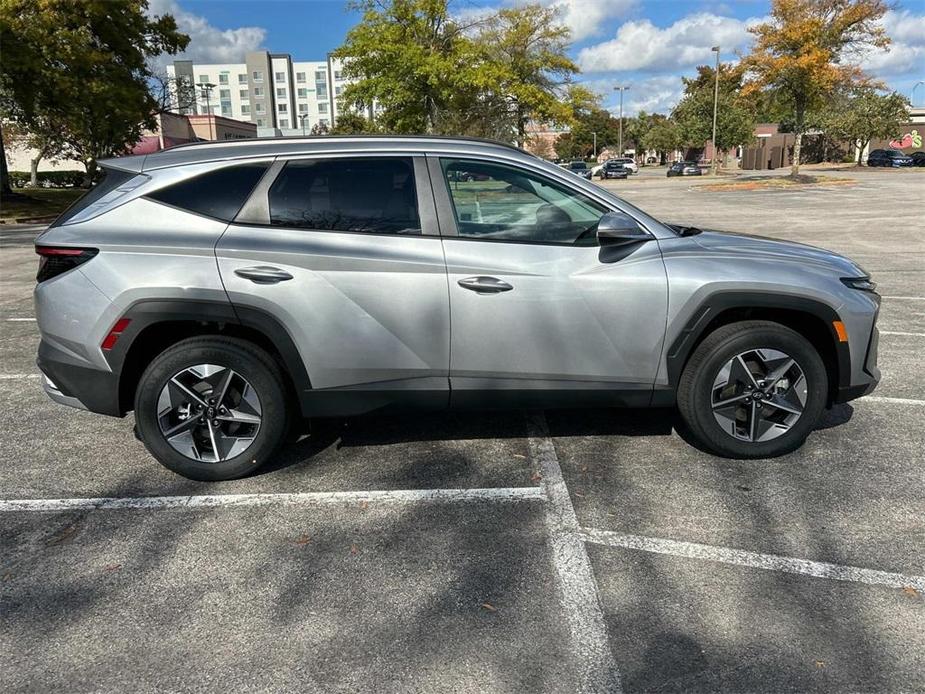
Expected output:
{"points": [[150, 312], [715, 304]]}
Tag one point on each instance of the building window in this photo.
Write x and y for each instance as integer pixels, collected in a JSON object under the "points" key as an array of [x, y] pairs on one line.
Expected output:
{"points": [[322, 108], [245, 109], [338, 90], [244, 94], [300, 77], [258, 108], [224, 94], [281, 93], [321, 76], [258, 91], [226, 109], [282, 108], [242, 79], [338, 75], [260, 122], [223, 78], [324, 121], [283, 123], [280, 76], [303, 108], [303, 93], [321, 90], [258, 76], [203, 79]]}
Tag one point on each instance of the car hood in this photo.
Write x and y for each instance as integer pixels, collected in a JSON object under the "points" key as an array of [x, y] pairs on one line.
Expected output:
{"points": [[742, 246]]}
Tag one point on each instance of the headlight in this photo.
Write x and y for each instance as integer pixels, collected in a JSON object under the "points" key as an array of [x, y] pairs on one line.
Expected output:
{"points": [[862, 283]]}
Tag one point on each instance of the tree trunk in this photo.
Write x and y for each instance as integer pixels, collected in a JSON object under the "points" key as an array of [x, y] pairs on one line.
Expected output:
{"points": [[34, 172], [797, 142], [861, 145], [91, 172], [5, 189]]}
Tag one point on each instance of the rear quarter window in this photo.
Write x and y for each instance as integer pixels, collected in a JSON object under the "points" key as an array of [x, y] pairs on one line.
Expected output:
{"points": [[110, 179], [219, 194]]}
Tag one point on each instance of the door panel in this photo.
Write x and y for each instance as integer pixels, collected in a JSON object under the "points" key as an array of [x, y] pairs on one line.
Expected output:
{"points": [[577, 317], [365, 299]]}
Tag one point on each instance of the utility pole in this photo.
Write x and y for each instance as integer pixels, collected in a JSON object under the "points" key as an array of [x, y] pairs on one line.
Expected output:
{"points": [[595, 146], [207, 87], [302, 118], [621, 90], [714, 159], [912, 93]]}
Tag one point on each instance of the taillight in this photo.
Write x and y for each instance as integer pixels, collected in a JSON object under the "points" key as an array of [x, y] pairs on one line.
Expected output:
{"points": [[55, 260]]}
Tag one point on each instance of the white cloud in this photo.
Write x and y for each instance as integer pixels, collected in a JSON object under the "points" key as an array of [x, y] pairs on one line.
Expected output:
{"points": [[584, 18], [657, 94], [208, 44], [640, 45], [905, 54]]}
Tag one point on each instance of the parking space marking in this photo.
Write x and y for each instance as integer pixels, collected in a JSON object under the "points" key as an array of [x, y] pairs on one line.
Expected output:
{"points": [[11, 377], [895, 332], [755, 560], [897, 401], [907, 298], [400, 496], [19, 320], [578, 593]]}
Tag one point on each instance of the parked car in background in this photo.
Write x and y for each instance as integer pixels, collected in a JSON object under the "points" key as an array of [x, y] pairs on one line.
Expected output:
{"points": [[628, 163], [225, 291], [615, 168], [580, 168], [888, 157], [918, 158], [684, 168]]}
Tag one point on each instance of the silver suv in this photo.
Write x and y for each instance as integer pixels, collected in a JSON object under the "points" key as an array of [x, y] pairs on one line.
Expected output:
{"points": [[225, 292]]}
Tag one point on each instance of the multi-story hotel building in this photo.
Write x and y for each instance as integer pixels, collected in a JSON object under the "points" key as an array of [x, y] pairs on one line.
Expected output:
{"points": [[279, 95]]}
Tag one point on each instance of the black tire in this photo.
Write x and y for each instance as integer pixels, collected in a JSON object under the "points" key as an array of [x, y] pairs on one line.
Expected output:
{"points": [[246, 359], [696, 385]]}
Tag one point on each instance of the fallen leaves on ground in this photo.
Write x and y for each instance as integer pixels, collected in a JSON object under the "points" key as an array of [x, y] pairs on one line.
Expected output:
{"points": [[910, 591], [488, 606], [302, 540]]}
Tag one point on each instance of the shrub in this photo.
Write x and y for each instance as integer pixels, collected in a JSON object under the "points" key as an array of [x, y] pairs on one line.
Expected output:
{"points": [[48, 179]]}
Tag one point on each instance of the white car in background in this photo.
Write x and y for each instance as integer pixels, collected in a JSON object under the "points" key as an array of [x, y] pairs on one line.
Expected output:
{"points": [[628, 163]]}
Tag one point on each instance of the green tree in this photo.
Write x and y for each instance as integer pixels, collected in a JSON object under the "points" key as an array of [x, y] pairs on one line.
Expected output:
{"points": [[800, 53], [84, 67], [601, 122], [352, 123], [410, 59], [735, 120], [664, 136], [524, 66], [863, 114]]}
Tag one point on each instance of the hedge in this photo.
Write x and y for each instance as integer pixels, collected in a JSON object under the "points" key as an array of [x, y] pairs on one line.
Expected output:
{"points": [[48, 179]]}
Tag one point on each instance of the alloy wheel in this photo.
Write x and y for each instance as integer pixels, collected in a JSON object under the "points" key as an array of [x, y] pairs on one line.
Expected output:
{"points": [[759, 395], [209, 413]]}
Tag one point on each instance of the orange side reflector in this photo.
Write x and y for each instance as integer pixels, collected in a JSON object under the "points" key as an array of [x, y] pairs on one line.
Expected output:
{"points": [[840, 330]]}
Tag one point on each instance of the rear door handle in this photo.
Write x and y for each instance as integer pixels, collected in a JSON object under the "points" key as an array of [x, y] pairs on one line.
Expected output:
{"points": [[263, 274], [485, 285]]}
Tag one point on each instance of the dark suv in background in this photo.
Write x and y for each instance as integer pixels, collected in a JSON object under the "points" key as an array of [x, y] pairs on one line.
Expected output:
{"points": [[889, 157]]}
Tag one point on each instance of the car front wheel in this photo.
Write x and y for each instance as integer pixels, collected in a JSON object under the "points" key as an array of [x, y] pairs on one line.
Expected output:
{"points": [[211, 408], [754, 389]]}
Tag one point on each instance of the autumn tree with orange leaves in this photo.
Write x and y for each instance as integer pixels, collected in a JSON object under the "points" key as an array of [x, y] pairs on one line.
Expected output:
{"points": [[804, 53]]}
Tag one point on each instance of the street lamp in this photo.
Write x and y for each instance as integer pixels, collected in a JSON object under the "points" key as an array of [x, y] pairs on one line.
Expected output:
{"points": [[302, 118], [912, 93], [621, 90], [713, 160], [595, 145], [207, 87]]}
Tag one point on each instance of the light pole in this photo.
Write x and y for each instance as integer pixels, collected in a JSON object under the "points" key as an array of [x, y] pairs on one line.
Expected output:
{"points": [[207, 87], [714, 160], [621, 90], [302, 118], [595, 146], [912, 93]]}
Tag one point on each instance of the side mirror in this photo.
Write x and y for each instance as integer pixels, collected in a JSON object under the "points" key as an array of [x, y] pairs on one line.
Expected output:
{"points": [[618, 228]]}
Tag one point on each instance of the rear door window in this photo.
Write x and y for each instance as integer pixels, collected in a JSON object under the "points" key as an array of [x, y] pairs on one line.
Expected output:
{"points": [[219, 194], [375, 195]]}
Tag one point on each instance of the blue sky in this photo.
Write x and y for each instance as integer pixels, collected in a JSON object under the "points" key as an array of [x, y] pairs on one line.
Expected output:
{"points": [[646, 45]]}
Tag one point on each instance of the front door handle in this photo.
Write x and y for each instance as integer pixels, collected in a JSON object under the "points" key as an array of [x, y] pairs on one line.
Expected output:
{"points": [[263, 274], [485, 285]]}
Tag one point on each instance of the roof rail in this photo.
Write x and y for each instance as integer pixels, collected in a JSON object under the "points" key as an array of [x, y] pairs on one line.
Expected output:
{"points": [[370, 136]]}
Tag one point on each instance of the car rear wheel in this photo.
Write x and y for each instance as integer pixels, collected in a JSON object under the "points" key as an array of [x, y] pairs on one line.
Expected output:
{"points": [[754, 389], [211, 408]]}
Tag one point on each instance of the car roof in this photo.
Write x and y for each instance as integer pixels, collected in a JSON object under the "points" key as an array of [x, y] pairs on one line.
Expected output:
{"points": [[264, 147]]}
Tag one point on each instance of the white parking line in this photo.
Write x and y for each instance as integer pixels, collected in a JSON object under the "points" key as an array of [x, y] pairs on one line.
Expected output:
{"points": [[577, 588], [896, 401], [895, 332], [739, 557], [19, 320], [400, 496], [13, 377], [905, 298]]}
